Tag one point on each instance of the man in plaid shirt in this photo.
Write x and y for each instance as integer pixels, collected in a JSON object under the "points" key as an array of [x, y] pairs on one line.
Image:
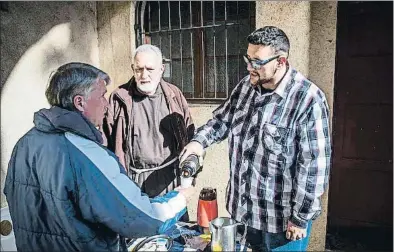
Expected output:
{"points": [[277, 124]]}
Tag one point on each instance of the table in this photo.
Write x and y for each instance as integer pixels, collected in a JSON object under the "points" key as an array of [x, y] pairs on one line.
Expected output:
{"points": [[187, 236]]}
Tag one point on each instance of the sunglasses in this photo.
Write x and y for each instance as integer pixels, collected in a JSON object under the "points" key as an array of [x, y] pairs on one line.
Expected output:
{"points": [[257, 64]]}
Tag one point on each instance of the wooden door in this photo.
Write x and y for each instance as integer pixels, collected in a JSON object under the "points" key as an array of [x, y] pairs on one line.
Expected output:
{"points": [[361, 185]]}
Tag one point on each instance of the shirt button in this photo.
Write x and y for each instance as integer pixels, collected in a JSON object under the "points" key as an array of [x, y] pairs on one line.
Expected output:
{"points": [[243, 200]]}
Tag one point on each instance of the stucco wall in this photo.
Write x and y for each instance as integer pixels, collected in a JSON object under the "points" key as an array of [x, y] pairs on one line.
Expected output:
{"points": [[322, 51], [36, 38], [293, 17], [322, 47], [115, 24], [311, 28], [216, 164]]}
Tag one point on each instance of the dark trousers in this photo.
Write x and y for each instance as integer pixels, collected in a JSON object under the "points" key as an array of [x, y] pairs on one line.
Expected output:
{"points": [[263, 241]]}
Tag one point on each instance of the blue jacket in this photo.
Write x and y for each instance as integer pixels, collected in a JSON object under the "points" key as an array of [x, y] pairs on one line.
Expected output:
{"points": [[66, 192]]}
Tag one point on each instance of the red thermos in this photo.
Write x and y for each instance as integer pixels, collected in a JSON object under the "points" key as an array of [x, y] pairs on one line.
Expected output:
{"points": [[207, 209]]}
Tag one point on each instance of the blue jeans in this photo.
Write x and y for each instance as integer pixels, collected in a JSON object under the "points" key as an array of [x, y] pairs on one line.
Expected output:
{"points": [[264, 241]]}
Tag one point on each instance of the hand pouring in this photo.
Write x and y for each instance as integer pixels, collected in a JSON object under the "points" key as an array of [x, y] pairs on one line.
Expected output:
{"points": [[224, 233]]}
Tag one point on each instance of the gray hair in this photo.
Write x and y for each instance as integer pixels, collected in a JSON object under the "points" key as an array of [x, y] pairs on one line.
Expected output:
{"points": [[73, 79], [149, 48]]}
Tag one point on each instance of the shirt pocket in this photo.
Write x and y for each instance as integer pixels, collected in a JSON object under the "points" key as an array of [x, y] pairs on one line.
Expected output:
{"points": [[274, 141], [274, 138]]}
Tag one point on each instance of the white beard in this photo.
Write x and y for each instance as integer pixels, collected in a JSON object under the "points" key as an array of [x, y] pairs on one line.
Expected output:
{"points": [[147, 88]]}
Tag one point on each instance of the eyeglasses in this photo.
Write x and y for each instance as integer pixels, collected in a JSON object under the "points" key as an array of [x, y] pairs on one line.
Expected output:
{"points": [[257, 64]]}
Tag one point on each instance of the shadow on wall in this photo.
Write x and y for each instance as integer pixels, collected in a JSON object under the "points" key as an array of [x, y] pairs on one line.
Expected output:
{"points": [[115, 27], [36, 38], [322, 46]]}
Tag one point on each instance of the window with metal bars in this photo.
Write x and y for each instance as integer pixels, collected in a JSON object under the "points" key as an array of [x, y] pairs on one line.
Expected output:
{"points": [[202, 43]]}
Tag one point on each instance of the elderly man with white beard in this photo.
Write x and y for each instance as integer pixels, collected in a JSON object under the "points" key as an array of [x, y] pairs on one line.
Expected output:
{"points": [[148, 123]]}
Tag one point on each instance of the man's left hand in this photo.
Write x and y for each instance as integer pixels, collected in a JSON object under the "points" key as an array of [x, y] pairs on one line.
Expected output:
{"points": [[294, 232]]}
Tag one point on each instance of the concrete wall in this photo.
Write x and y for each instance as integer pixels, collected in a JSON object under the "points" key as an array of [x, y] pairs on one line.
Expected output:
{"points": [[115, 24], [36, 38], [322, 52], [294, 19], [311, 28], [216, 164]]}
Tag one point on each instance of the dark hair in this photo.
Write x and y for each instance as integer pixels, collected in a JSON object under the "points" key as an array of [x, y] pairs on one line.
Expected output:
{"points": [[73, 79], [270, 36]]}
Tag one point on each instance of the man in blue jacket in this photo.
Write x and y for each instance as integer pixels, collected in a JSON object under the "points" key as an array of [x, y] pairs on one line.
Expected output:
{"points": [[65, 191]]}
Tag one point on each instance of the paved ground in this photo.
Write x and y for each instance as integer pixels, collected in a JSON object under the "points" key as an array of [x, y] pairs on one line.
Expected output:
{"points": [[359, 240]]}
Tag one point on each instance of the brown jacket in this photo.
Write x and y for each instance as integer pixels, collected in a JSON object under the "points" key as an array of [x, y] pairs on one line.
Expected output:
{"points": [[116, 125]]}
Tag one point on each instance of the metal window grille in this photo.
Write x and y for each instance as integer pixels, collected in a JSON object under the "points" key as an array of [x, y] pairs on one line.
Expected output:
{"points": [[202, 42]]}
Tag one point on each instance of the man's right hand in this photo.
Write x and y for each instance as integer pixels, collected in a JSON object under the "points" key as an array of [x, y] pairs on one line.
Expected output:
{"points": [[191, 148]]}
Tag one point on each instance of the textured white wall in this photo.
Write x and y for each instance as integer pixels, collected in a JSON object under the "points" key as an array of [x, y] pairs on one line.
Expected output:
{"points": [[36, 38], [216, 165]]}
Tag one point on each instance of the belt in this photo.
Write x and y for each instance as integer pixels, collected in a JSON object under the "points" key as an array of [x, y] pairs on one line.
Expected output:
{"points": [[139, 171]]}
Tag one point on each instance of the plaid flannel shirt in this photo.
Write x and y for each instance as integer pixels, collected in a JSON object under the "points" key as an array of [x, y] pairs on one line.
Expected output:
{"points": [[279, 151]]}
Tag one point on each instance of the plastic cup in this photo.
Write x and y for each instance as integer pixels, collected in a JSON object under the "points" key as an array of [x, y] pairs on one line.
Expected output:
{"points": [[186, 182]]}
